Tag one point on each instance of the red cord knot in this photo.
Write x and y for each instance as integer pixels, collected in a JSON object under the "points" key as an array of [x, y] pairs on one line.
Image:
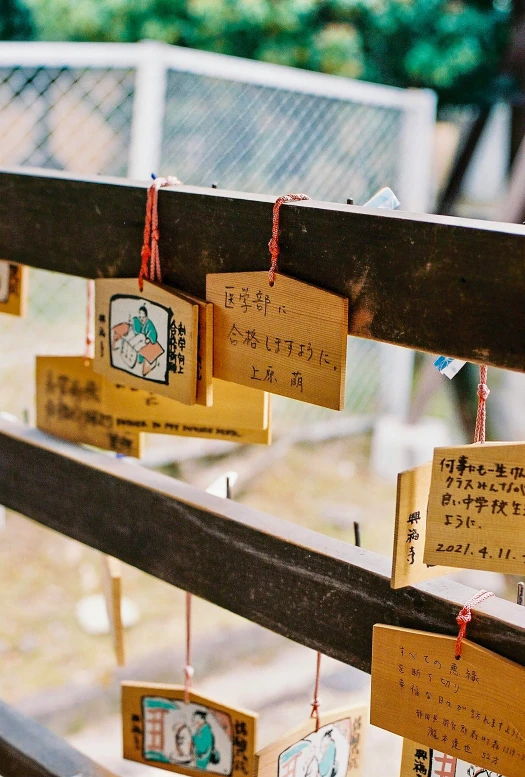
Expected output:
{"points": [[273, 245], [465, 616], [483, 391], [150, 259], [315, 708]]}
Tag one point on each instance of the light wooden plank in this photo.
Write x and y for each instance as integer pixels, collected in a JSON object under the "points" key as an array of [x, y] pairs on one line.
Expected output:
{"points": [[472, 707], [476, 509], [289, 339]]}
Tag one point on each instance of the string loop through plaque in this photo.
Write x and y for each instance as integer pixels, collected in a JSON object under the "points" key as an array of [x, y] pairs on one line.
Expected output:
{"points": [[465, 616], [150, 259], [273, 245]]}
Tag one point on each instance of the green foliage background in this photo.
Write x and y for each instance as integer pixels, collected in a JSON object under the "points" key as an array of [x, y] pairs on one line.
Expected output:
{"points": [[452, 46]]}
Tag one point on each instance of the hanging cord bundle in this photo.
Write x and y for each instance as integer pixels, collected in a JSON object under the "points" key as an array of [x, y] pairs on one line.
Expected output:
{"points": [[483, 393], [465, 616], [150, 265], [273, 245]]}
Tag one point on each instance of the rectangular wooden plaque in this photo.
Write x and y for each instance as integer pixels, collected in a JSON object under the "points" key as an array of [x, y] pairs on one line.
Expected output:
{"points": [[239, 414], [146, 340], [112, 585], [203, 736], [476, 508], [408, 567], [335, 750], [422, 761], [233, 407], [69, 404], [13, 288], [289, 339], [204, 352], [471, 709]]}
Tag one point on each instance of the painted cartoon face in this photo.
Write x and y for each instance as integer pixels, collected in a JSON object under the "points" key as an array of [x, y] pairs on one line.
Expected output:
{"points": [[198, 721], [142, 316]]}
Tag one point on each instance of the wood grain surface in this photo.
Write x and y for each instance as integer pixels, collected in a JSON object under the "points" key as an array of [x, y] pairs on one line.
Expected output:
{"points": [[314, 589], [438, 284]]}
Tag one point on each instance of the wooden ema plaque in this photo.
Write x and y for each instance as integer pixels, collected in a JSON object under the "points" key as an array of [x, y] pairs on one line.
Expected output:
{"points": [[70, 405], [471, 708], [335, 750], [203, 736], [422, 761], [408, 567], [112, 585], [476, 508], [146, 340], [204, 352], [112, 415], [13, 288], [289, 339], [238, 414]]}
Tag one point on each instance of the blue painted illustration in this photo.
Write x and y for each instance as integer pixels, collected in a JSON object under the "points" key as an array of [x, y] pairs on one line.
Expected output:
{"points": [[189, 735]]}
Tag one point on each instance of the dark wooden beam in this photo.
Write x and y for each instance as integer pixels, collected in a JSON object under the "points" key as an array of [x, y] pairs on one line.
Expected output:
{"points": [[438, 284], [316, 590], [27, 749]]}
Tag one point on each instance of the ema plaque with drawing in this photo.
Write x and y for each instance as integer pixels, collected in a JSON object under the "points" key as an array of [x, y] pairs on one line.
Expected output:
{"points": [[147, 340], [334, 750], [161, 729]]}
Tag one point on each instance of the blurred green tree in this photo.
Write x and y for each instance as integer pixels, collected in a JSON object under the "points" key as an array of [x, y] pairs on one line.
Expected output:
{"points": [[452, 46], [16, 21]]}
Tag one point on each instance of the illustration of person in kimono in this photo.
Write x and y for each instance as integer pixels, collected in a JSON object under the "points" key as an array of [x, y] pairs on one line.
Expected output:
{"points": [[203, 741], [142, 325], [327, 762]]}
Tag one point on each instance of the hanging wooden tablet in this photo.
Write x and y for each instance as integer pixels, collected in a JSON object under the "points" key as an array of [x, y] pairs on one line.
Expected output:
{"points": [[238, 413], [420, 760], [204, 352], [288, 340], [471, 709], [278, 334], [200, 736], [69, 404], [112, 585], [13, 288], [476, 508], [408, 566], [334, 750], [146, 340]]}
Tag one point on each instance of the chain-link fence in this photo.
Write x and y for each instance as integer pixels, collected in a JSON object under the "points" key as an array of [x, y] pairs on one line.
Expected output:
{"points": [[134, 109]]}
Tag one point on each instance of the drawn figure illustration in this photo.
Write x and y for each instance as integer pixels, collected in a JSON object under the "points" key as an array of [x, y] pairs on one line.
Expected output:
{"points": [[190, 735], [139, 334], [203, 741], [325, 753]]}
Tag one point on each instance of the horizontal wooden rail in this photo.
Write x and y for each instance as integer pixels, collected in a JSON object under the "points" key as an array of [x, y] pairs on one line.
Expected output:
{"points": [[438, 284], [316, 590], [27, 749]]}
